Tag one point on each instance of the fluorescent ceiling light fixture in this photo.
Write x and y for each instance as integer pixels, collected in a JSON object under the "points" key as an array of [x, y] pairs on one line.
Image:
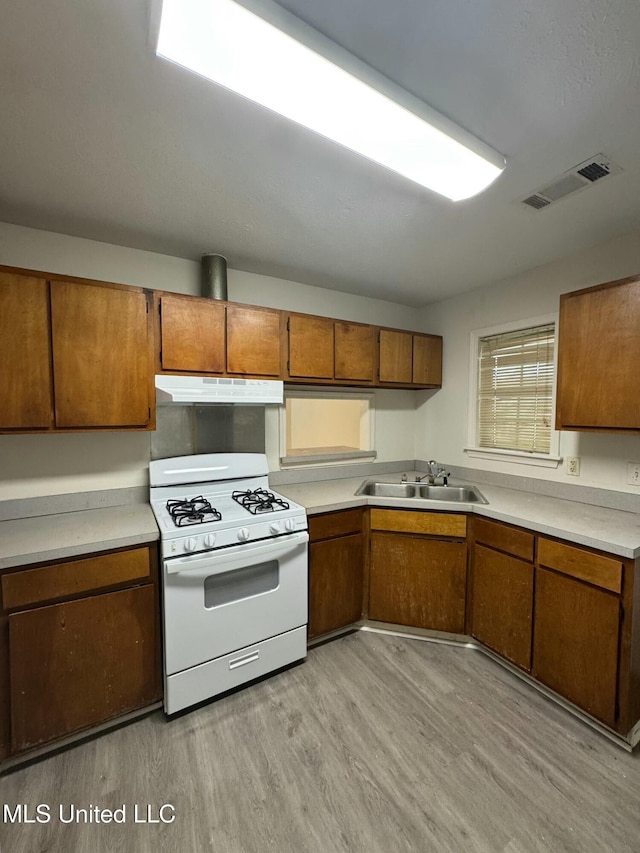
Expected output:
{"points": [[243, 51]]}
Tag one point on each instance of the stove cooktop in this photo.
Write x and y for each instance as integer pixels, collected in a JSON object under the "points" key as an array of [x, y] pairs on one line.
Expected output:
{"points": [[197, 512]]}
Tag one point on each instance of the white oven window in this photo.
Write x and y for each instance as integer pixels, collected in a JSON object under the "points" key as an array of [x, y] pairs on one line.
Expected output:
{"points": [[240, 584]]}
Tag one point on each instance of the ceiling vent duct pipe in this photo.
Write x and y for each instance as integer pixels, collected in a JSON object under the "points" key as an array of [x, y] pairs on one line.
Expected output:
{"points": [[213, 281]]}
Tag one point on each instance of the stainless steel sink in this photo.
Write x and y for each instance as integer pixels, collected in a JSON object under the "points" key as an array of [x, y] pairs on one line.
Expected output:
{"points": [[422, 492], [464, 494], [389, 490]]}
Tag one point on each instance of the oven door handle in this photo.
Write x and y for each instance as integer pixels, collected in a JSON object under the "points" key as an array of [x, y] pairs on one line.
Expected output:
{"points": [[236, 556]]}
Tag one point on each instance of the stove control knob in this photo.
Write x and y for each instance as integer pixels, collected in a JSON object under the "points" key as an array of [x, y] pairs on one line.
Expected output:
{"points": [[290, 524], [274, 527], [190, 544], [209, 540], [243, 534]]}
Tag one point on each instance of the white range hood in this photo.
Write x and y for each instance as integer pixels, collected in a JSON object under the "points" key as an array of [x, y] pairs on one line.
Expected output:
{"points": [[204, 390]]}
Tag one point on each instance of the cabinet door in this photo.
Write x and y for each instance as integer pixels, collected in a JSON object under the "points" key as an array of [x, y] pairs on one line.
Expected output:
{"points": [[101, 356], [253, 341], [502, 605], [598, 345], [418, 582], [192, 332], [311, 346], [355, 352], [25, 353], [396, 353], [575, 642], [77, 664], [427, 360], [335, 583]]}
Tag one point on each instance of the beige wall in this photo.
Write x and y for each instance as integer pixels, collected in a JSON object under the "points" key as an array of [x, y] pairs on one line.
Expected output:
{"points": [[442, 422], [59, 253], [40, 465], [32, 465]]}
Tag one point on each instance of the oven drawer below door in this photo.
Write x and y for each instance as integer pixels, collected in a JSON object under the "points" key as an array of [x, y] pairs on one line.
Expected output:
{"points": [[217, 676]]}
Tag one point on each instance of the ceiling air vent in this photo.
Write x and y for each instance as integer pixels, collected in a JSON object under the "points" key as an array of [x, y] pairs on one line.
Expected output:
{"points": [[537, 201], [581, 176]]}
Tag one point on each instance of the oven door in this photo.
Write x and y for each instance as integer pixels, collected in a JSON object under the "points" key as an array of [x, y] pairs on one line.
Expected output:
{"points": [[220, 601]]}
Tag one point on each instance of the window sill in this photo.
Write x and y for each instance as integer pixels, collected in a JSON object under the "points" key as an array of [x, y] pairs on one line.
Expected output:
{"points": [[542, 460], [322, 458]]}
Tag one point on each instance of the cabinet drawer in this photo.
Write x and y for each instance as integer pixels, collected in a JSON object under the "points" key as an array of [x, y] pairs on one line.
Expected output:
{"points": [[430, 523], [519, 543], [62, 580], [331, 524], [605, 572]]}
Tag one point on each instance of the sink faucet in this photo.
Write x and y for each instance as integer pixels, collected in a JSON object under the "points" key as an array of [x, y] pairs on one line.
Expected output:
{"points": [[434, 471]]}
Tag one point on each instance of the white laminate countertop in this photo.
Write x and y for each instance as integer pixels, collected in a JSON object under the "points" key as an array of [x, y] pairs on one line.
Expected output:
{"points": [[609, 530], [26, 541]]}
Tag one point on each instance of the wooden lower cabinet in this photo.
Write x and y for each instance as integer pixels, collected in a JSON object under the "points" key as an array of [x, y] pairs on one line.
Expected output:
{"points": [[418, 581], [576, 642], [76, 664], [336, 568], [501, 589], [74, 651], [502, 604], [335, 583]]}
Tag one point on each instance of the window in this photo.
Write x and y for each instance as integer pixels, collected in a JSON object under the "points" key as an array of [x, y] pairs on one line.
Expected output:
{"points": [[514, 390], [319, 427]]}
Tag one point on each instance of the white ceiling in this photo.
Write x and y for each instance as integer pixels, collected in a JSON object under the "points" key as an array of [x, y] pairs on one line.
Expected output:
{"points": [[101, 139]]}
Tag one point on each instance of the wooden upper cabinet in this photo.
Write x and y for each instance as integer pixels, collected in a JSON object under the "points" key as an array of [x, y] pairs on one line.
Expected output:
{"points": [[598, 347], [253, 340], [427, 360], [101, 356], [355, 352], [25, 353], [396, 357], [311, 347], [192, 334]]}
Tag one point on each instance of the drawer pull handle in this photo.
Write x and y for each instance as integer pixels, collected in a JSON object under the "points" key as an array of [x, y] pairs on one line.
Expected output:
{"points": [[243, 661]]}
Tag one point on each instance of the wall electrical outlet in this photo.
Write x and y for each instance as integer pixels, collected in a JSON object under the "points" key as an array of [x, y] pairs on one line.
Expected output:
{"points": [[573, 466], [633, 473]]}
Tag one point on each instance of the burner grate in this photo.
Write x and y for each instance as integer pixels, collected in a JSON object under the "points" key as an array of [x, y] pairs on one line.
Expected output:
{"points": [[259, 501], [190, 511]]}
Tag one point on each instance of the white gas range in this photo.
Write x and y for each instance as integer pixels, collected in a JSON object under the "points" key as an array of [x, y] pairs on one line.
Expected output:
{"points": [[234, 574]]}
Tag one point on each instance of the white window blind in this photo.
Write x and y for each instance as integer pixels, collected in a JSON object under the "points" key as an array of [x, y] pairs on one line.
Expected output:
{"points": [[515, 390]]}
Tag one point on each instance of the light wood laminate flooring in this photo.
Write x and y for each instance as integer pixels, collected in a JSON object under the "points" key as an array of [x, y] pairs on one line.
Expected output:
{"points": [[375, 743]]}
